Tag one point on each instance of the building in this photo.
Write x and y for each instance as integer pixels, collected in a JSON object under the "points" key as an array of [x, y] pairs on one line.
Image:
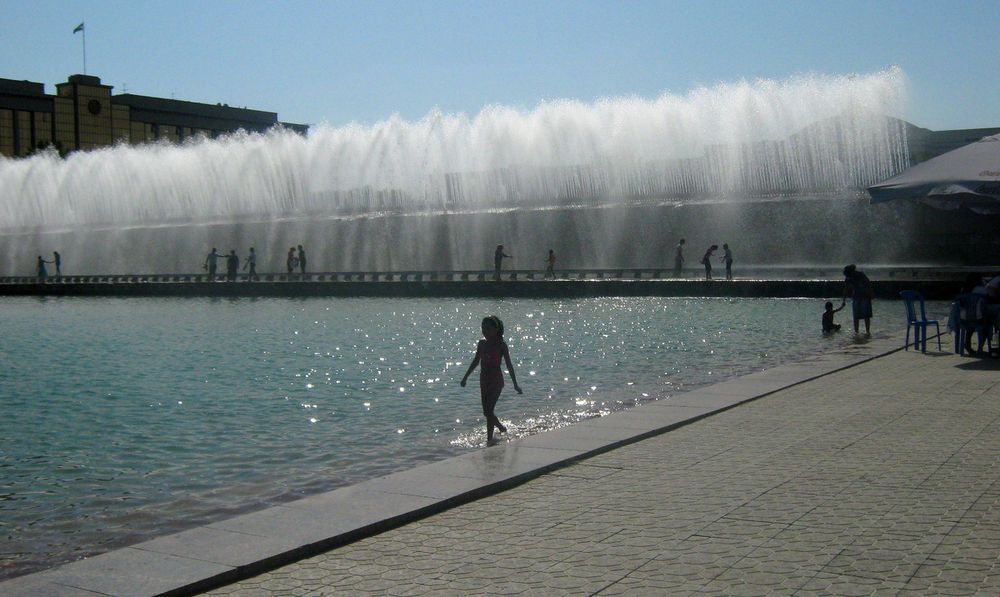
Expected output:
{"points": [[83, 115], [925, 144]]}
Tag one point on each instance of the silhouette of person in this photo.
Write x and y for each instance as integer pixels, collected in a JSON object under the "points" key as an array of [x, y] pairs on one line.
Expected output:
{"points": [[489, 351], [57, 260], [42, 272], [727, 258], [679, 258], [232, 266], [302, 260], [973, 284], [550, 271], [707, 261], [828, 325], [857, 284], [292, 261], [498, 256], [211, 263], [251, 262]]}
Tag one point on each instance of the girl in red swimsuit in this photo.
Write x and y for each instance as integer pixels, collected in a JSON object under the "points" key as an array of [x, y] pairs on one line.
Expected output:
{"points": [[488, 354]]}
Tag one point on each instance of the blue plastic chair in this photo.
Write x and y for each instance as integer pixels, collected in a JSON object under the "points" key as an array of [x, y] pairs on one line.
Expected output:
{"points": [[972, 319], [919, 324]]}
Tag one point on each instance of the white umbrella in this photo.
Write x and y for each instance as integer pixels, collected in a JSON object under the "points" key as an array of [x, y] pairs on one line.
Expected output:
{"points": [[965, 177]]}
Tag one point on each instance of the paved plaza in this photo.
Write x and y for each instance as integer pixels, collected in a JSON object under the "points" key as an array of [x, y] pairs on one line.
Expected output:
{"points": [[880, 479]]}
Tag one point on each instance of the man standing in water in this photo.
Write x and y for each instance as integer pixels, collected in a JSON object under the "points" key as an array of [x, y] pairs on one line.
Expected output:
{"points": [[679, 259]]}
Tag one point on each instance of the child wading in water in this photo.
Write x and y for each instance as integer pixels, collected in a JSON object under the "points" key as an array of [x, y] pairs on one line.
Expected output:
{"points": [[828, 325], [488, 354]]}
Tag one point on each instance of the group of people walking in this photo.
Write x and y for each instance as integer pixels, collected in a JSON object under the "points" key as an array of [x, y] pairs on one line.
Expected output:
{"points": [[296, 259], [706, 260], [550, 261]]}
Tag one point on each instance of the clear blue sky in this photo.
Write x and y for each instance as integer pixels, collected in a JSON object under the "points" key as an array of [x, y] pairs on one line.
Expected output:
{"points": [[315, 61]]}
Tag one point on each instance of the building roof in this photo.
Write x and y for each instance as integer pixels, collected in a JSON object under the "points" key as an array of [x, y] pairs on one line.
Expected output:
{"points": [[160, 110], [24, 95]]}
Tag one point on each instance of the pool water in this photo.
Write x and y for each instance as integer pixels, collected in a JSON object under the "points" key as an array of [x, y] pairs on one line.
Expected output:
{"points": [[130, 418]]}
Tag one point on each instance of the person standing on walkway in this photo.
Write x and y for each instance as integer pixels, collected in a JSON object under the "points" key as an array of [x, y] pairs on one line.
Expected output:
{"points": [[211, 263], [291, 261], [57, 260], [42, 272], [252, 264], [489, 351], [727, 258], [550, 261], [498, 256], [302, 261], [679, 259], [232, 266], [857, 284], [707, 261]]}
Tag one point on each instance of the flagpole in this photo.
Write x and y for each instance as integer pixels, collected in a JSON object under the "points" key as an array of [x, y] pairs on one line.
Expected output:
{"points": [[83, 30]]}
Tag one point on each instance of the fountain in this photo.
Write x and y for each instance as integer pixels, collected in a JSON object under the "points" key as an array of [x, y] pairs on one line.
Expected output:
{"points": [[611, 183]]}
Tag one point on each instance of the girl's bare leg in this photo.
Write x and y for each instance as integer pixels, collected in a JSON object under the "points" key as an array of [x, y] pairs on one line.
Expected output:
{"points": [[499, 425]]}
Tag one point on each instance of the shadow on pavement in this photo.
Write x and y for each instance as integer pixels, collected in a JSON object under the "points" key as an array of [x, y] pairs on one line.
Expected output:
{"points": [[981, 364]]}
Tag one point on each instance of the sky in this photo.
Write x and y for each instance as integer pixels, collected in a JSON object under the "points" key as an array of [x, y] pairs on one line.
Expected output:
{"points": [[364, 61]]}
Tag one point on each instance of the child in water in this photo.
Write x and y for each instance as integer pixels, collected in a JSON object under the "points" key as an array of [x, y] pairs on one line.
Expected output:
{"points": [[828, 325], [488, 353]]}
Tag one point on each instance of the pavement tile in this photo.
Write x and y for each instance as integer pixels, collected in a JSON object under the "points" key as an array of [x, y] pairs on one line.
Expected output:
{"points": [[849, 586], [219, 546], [37, 585], [113, 573]]}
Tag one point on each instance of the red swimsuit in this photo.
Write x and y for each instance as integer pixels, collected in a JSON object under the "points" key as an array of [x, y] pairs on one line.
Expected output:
{"points": [[490, 375]]}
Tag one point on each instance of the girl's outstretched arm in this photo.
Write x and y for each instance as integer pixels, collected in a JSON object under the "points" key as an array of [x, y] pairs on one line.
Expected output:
{"points": [[472, 367], [510, 369]]}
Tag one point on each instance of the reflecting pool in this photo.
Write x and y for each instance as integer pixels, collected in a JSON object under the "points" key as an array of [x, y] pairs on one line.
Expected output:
{"points": [[129, 418]]}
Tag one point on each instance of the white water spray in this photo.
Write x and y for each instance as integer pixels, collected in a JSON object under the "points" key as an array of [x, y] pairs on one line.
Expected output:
{"points": [[805, 134], [160, 207]]}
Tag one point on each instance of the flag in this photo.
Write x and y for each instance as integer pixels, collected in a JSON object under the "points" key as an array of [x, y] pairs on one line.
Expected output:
{"points": [[78, 28]]}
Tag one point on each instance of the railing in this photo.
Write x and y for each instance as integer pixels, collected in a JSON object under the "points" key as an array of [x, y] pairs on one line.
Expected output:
{"points": [[520, 275], [354, 276]]}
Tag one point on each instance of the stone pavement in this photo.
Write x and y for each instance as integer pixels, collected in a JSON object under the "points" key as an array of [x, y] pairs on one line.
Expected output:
{"points": [[880, 479]]}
